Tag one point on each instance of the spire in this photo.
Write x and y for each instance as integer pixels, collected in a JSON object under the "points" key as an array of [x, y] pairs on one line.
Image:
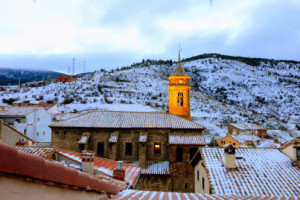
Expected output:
{"points": [[179, 70]]}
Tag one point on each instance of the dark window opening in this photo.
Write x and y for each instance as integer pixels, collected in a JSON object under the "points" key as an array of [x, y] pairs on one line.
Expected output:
{"points": [[65, 132], [110, 146], [128, 150], [57, 132], [37, 133], [100, 149], [157, 149], [18, 120], [203, 184], [298, 154], [25, 131], [179, 154], [186, 186], [198, 175], [44, 133], [193, 151], [180, 99]]}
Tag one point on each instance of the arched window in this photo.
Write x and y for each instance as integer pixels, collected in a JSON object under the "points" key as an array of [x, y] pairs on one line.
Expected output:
{"points": [[180, 99]]}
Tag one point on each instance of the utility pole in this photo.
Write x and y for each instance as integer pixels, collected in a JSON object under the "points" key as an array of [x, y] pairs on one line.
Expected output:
{"points": [[84, 66], [73, 66]]}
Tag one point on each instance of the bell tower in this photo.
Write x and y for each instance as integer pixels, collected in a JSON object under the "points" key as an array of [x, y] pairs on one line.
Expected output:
{"points": [[179, 92]]}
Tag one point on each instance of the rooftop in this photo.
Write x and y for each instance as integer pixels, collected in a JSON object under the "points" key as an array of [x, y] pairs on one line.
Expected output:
{"points": [[17, 111], [118, 119], [106, 166], [155, 168], [46, 152], [18, 163], [243, 138], [194, 139], [250, 126], [260, 172], [153, 195]]}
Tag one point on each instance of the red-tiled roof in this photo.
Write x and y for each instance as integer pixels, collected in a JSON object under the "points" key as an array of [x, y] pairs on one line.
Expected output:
{"points": [[44, 152], [106, 166], [155, 195], [17, 111], [118, 119], [188, 139], [155, 168], [18, 163]]}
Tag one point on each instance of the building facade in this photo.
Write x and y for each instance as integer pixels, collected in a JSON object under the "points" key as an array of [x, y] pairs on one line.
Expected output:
{"points": [[31, 121]]}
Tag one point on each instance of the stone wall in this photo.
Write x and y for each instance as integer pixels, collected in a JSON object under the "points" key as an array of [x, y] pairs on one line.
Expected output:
{"points": [[154, 183]]}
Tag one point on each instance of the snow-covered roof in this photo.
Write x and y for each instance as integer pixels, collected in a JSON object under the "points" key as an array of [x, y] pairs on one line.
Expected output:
{"points": [[260, 172], [179, 71], [114, 137], [157, 195], [242, 138], [143, 137], [105, 166], [155, 168], [64, 116], [296, 140], [249, 126], [44, 152], [118, 119], [17, 111], [189, 139]]}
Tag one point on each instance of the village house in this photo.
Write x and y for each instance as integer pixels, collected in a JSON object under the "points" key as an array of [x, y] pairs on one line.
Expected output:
{"points": [[9, 135], [50, 108], [162, 144], [292, 150], [25, 176], [64, 79], [247, 129], [245, 171], [31, 121]]}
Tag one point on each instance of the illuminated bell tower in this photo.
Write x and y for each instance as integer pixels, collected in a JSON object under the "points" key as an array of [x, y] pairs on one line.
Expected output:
{"points": [[179, 92]]}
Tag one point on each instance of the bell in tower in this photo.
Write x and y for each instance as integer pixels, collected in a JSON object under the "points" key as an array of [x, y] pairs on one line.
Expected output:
{"points": [[179, 92]]}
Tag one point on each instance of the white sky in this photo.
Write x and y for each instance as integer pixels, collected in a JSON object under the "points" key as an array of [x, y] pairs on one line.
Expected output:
{"points": [[113, 33]]}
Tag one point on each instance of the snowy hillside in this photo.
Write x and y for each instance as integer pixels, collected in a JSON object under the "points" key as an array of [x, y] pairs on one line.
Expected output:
{"points": [[223, 91]]}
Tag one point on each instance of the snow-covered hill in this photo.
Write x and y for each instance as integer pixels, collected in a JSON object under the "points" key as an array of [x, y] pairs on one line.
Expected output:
{"points": [[224, 90]]}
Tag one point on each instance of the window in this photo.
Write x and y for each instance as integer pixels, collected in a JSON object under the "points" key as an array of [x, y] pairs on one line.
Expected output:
{"points": [[38, 119], [25, 131], [298, 154], [100, 148], [157, 148], [233, 143], [193, 151], [43, 132], [203, 184], [180, 99], [179, 154], [57, 132], [65, 132], [128, 149], [198, 175], [18, 120], [186, 186], [37, 133]]}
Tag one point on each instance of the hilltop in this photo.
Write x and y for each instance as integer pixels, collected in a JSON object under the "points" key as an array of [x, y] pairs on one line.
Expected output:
{"points": [[225, 89]]}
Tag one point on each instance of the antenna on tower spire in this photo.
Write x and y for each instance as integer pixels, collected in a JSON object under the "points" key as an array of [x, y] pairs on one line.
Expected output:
{"points": [[179, 59]]}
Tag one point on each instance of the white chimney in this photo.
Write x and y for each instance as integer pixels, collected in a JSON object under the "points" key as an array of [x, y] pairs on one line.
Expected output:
{"points": [[87, 163], [229, 156]]}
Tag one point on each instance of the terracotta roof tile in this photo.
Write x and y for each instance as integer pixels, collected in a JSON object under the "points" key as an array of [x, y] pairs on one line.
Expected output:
{"points": [[17, 111], [260, 172], [19, 163], [106, 166], [188, 139], [154, 195], [115, 119], [44, 152], [155, 168]]}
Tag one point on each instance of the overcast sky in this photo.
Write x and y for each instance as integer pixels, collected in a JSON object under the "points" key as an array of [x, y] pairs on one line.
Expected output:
{"points": [[47, 34]]}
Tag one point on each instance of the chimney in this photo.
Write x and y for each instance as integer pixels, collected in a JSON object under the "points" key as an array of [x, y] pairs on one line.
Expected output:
{"points": [[87, 163], [229, 156], [119, 172]]}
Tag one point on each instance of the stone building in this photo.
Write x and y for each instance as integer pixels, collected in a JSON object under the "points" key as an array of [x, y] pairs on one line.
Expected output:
{"points": [[146, 139], [162, 144], [247, 129]]}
